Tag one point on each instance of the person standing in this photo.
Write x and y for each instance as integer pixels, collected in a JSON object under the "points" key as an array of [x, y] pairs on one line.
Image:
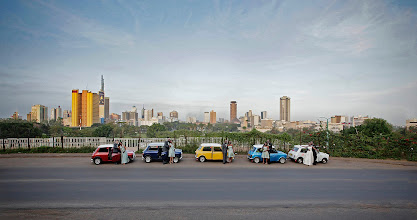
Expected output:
{"points": [[314, 155], [224, 150], [171, 153], [230, 153], [308, 159], [265, 154], [269, 150], [123, 150], [165, 150]]}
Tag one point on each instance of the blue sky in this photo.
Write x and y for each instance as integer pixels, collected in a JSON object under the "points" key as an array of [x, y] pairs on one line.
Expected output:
{"points": [[330, 57]]}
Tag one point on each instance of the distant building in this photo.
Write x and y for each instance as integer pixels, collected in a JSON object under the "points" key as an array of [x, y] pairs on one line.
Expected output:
{"points": [[221, 120], [358, 120], [255, 120], [148, 115], [410, 123], [85, 108], [29, 117], [106, 108], [212, 117], [191, 120], [15, 116], [263, 115], [206, 117], [339, 119], [56, 113], [115, 117], [248, 114], [233, 111], [285, 103], [39, 113], [267, 123], [66, 118], [173, 116]]}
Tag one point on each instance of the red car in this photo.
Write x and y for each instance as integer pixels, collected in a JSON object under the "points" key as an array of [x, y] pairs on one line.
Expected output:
{"points": [[106, 153]]}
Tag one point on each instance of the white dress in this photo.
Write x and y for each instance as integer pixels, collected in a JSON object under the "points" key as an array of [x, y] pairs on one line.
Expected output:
{"points": [[308, 159], [230, 153], [171, 152]]}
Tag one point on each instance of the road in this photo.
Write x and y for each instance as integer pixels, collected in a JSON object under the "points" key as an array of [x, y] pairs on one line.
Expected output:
{"points": [[71, 187]]}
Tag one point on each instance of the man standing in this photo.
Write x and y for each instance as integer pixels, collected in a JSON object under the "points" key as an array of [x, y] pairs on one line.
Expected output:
{"points": [[165, 149], [314, 154], [224, 150]]}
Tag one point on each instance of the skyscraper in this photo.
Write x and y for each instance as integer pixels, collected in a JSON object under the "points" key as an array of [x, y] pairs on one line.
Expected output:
{"points": [[206, 117], [233, 111], [263, 115], [56, 113], [85, 108], [212, 117], [284, 108], [39, 113]]}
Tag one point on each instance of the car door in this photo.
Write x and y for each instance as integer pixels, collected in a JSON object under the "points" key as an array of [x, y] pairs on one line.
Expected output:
{"points": [[217, 153], [303, 152], [207, 152], [273, 156], [103, 153], [115, 155]]}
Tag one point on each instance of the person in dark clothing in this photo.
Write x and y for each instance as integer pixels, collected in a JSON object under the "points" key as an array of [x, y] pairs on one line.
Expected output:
{"points": [[165, 149], [314, 155], [224, 150]]}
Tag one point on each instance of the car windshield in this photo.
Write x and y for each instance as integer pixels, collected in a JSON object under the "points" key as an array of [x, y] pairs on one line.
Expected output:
{"points": [[254, 149], [295, 149]]}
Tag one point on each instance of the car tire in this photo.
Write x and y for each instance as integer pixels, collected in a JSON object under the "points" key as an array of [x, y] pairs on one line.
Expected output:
{"points": [[202, 159], [256, 160], [324, 160], [129, 160], [176, 159], [282, 160], [300, 160], [148, 159], [97, 161]]}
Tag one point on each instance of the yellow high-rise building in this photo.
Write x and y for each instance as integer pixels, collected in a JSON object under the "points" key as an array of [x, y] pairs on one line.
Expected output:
{"points": [[85, 108]]}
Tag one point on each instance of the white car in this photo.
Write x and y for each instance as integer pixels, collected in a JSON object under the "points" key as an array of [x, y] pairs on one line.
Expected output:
{"points": [[299, 151]]}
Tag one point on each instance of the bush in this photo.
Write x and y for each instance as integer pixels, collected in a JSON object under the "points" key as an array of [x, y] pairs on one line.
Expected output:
{"points": [[50, 150]]}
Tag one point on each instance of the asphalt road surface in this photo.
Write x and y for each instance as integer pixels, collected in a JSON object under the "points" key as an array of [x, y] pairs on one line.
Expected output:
{"points": [[73, 188]]}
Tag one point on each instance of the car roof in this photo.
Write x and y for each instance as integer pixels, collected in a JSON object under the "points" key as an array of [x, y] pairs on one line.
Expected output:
{"points": [[105, 145], [260, 145], [211, 145], [301, 146], [156, 144]]}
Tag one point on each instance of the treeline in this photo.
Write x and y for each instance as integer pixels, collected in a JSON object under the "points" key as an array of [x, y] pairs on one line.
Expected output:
{"points": [[376, 138]]}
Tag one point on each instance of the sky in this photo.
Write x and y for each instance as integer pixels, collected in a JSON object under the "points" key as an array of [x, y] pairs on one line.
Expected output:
{"points": [[330, 57]]}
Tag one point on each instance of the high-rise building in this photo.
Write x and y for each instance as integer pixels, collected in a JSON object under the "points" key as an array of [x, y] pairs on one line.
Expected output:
{"points": [[212, 117], [233, 111], [191, 120], [410, 123], [115, 117], [249, 114], [15, 116], [106, 108], [263, 115], [206, 117], [56, 113], [29, 117], [39, 113], [285, 108], [85, 108], [173, 115], [147, 115]]}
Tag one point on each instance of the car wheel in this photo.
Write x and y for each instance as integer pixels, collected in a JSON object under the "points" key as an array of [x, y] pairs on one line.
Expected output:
{"points": [[300, 160], [202, 159], [97, 160], [256, 160], [147, 159], [176, 159], [282, 160], [324, 160], [129, 160]]}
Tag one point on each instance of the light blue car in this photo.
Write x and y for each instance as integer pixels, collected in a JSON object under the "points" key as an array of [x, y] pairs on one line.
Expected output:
{"points": [[255, 153]]}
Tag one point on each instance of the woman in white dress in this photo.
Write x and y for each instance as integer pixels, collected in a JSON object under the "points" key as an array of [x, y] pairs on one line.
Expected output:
{"points": [[230, 153], [308, 159], [171, 153], [265, 154]]}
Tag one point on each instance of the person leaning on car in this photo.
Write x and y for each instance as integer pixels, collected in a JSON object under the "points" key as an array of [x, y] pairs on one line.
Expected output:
{"points": [[269, 150], [165, 149], [224, 150]]}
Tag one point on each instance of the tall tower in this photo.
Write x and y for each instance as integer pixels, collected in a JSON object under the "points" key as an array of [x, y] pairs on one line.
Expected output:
{"points": [[233, 111], [284, 108], [213, 117], [102, 83], [101, 102], [85, 108]]}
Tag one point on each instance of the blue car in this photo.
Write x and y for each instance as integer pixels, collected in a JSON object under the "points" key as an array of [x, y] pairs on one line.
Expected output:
{"points": [[151, 153], [255, 153]]}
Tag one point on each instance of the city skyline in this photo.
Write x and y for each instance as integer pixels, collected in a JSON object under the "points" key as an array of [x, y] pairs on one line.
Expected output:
{"points": [[331, 57]]}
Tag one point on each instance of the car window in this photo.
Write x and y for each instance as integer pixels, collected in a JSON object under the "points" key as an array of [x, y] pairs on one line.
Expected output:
{"points": [[303, 150], [217, 149], [207, 149], [153, 148], [105, 149], [273, 150], [295, 149], [259, 149], [199, 148]]}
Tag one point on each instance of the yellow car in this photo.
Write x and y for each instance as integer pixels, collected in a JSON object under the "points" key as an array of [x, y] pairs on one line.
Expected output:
{"points": [[209, 151]]}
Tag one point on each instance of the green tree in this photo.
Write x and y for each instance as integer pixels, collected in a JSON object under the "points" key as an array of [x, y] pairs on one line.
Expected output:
{"points": [[154, 129], [103, 131]]}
